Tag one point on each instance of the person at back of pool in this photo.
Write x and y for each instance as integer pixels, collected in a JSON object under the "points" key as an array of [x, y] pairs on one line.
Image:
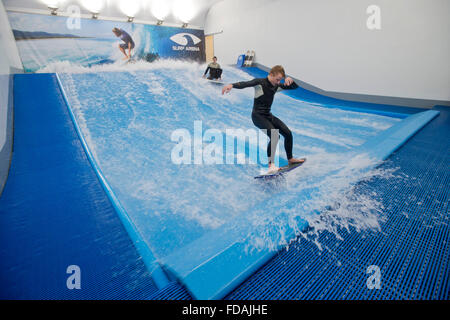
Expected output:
{"points": [[215, 72], [265, 89], [128, 42]]}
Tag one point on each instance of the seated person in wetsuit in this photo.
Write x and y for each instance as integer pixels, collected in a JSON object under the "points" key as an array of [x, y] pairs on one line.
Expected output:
{"points": [[265, 89], [128, 42], [215, 72]]}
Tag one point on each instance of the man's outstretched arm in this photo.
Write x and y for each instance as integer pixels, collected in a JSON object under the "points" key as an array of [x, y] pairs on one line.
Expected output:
{"points": [[240, 85], [246, 84]]}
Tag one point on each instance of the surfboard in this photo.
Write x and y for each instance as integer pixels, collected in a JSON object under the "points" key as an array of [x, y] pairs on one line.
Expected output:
{"points": [[282, 171], [249, 58], [218, 82], [123, 62]]}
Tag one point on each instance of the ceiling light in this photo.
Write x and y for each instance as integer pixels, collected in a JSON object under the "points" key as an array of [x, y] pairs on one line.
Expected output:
{"points": [[53, 11], [184, 10], [94, 6], [52, 5], [160, 9], [130, 8]]}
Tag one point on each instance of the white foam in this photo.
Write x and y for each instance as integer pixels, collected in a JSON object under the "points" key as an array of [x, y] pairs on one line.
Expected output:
{"points": [[336, 206]]}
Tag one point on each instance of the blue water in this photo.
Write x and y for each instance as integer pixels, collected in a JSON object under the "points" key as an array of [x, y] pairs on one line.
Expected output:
{"points": [[128, 116]]}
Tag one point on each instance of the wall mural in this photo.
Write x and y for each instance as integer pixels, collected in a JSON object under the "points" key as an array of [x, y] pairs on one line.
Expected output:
{"points": [[45, 40]]}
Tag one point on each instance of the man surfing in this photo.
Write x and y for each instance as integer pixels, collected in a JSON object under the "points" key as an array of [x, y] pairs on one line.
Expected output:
{"points": [[128, 42], [215, 72], [265, 89]]}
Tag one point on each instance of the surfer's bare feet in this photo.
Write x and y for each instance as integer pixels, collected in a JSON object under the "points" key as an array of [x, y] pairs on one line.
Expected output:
{"points": [[294, 160], [273, 168]]}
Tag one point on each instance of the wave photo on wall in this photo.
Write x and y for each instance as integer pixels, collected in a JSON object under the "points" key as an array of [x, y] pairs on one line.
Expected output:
{"points": [[53, 40]]}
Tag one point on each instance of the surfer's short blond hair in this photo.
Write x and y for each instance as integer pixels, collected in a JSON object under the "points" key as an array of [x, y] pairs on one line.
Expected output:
{"points": [[278, 70]]}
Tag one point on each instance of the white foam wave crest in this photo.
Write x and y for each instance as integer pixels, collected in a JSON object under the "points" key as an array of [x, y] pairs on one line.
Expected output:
{"points": [[335, 204]]}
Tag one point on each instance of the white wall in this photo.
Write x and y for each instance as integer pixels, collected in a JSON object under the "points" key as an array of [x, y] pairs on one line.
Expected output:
{"points": [[327, 44], [9, 62], [9, 58]]}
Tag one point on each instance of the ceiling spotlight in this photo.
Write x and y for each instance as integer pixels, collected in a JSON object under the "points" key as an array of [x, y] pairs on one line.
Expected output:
{"points": [[184, 25], [160, 9], [130, 8], [52, 5], [93, 6], [160, 22], [184, 10], [53, 10]]}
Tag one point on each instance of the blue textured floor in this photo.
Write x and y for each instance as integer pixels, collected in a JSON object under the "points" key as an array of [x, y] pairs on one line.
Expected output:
{"points": [[54, 212]]}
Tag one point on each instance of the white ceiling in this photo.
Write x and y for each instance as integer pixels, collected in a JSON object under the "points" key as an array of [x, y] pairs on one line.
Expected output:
{"points": [[112, 9]]}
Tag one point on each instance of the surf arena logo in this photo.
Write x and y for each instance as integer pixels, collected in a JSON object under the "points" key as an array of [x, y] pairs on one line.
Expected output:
{"points": [[185, 41]]}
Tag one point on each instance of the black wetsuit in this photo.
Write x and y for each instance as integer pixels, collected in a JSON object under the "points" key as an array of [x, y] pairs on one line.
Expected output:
{"points": [[215, 72], [263, 118]]}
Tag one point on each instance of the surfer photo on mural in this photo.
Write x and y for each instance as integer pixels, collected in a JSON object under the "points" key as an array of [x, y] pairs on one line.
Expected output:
{"points": [[128, 42], [265, 89]]}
